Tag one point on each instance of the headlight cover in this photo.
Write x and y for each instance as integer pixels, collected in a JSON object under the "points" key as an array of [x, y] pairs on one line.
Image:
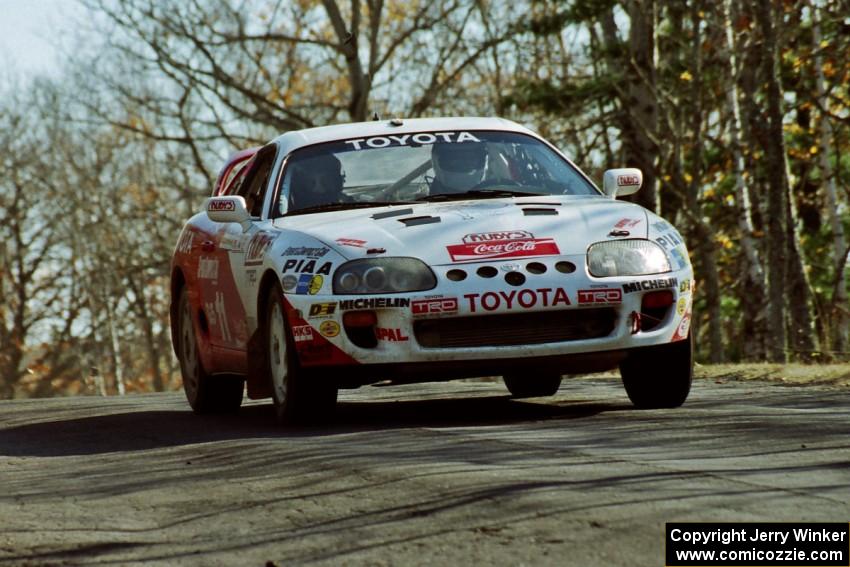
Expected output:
{"points": [[626, 258], [383, 275]]}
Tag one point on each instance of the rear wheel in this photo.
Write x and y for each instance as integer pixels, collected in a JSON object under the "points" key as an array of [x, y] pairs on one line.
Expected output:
{"points": [[296, 395], [205, 393], [523, 386], [659, 376]]}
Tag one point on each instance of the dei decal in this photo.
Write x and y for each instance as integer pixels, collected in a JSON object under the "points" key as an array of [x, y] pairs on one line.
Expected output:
{"points": [[495, 245], [422, 139], [258, 246], [522, 299], [306, 267]]}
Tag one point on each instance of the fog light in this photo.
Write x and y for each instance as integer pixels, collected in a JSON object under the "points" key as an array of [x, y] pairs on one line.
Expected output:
{"points": [[658, 299]]}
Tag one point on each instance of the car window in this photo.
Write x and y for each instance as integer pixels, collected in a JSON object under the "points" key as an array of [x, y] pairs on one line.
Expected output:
{"points": [[411, 166], [255, 181]]}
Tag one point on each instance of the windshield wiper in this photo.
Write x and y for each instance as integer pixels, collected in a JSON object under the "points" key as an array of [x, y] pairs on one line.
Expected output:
{"points": [[478, 194], [344, 206]]}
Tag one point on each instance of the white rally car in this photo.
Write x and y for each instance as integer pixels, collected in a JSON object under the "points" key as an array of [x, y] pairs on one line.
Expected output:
{"points": [[424, 250]]}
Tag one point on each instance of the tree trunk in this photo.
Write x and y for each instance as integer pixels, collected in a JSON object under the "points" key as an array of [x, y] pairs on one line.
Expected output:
{"points": [[777, 191], [839, 316], [753, 296]]}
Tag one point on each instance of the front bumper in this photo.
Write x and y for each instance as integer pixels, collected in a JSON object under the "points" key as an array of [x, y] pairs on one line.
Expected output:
{"points": [[479, 319]]}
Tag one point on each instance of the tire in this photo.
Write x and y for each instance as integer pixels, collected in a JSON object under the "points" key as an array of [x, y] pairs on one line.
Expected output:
{"points": [[532, 386], [296, 395], [205, 393], [659, 376]]}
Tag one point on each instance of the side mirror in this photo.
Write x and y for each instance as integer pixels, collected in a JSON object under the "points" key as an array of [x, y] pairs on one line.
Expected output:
{"points": [[623, 181], [227, 209]]}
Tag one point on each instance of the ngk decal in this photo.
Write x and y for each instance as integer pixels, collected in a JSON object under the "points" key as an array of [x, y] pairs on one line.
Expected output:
{"points": [[494, 245], [627, 180], [604, 296], [221, 205], [522, 299], [302, 333], [434, 306]]}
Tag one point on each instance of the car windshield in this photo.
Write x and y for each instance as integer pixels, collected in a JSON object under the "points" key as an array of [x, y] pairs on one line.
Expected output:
{"points": [[427, 166]]}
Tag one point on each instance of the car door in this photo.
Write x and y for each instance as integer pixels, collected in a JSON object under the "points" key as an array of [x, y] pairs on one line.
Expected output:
{"points": [[243, 248]]}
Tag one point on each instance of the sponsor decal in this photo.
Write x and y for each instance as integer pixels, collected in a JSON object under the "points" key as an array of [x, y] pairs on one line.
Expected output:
{"points": [[373, 303], [231, 242], [322, 309], [507, 244], [252, 277], [258, 246], [663, 283], [329, 329], [422, 139], [681, 256], [302, 333], [306, 251], [184, 245], [208, 268], [223, 205], [627, 223], [685, 286], [306, 267], [308, 283], [315, 352], [217, 317], [662, 226], [517, 299], [392, 335], [596, 296], [669, 240], [681, 305], [434, 306], [510, 267], [627, 180], [683, 328], [356, 243], [289, 282]]}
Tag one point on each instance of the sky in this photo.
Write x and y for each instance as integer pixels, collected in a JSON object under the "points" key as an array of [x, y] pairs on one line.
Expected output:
{"points": [[30, 31]]}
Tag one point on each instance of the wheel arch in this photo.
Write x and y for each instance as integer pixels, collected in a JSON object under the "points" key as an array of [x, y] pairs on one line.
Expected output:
{"points": [[178, 281]]}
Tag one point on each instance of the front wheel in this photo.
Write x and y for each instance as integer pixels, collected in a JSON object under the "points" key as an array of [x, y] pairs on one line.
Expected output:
{"points": [[296, 395], [659, 376], [205, 393], [521, 386]]}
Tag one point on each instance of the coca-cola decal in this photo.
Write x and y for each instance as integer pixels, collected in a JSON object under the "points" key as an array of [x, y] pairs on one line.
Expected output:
{"points": [[505, 244]]}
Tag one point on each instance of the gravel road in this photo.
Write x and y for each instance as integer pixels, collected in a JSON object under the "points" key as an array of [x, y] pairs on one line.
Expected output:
{"points": [[439, 474]]}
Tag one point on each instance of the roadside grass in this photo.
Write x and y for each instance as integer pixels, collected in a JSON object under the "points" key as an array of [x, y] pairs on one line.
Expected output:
{"points": [[792, 374]]}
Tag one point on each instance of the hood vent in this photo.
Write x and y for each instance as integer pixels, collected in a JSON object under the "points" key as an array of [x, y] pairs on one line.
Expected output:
{"points": [[394, 213], [530, 212], [415, 221]]}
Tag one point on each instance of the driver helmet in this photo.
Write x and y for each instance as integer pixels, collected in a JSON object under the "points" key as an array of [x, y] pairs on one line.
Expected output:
{"points": [[461, 166], [317, 180]]}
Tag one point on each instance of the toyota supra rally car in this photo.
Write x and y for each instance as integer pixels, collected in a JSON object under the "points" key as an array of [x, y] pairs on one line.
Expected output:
{"points": [[424, 250]]}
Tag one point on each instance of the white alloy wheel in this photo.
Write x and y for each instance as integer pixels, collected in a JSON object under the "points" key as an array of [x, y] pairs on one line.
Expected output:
{"points": [[278, 356]]}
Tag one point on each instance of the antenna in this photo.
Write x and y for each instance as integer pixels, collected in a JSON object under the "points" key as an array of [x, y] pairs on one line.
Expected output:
{"points": [[375, 116]]}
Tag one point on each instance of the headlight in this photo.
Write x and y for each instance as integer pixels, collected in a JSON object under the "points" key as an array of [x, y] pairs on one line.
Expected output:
{"points": [[626, 258], [383, 275]]}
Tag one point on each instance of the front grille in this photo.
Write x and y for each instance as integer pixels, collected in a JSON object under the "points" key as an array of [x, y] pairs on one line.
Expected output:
{"points": [[515, 329]]}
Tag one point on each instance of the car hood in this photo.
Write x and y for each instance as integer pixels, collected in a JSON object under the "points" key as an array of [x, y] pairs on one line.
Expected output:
{"points": [[447, 232]]}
